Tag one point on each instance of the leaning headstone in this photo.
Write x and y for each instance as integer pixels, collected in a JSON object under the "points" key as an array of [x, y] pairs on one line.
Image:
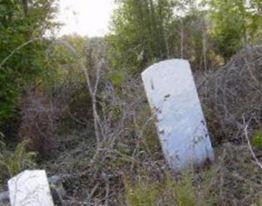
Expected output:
{"points": [[180, 122], [30, 188]]}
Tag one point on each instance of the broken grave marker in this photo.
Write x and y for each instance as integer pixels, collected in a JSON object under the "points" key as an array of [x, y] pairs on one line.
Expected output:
{"points": [[30, 188]]}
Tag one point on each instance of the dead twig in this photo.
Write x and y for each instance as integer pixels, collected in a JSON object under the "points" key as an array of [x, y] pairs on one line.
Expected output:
{"points": [[250, 147]]}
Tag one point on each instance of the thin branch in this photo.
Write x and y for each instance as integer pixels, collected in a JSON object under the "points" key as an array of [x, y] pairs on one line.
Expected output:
{"points": [[250, 147], [17, 49]]}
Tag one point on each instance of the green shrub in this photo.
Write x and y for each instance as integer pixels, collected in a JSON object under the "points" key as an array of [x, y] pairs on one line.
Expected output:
{"points": [[257, 139], [185, 191], [117, 78], [13, 162], [169, 192], [23, 23], [143, 194]]}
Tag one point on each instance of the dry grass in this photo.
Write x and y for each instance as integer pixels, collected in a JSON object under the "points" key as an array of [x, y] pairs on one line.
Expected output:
{"points": [[129, 169], [113, 157]]}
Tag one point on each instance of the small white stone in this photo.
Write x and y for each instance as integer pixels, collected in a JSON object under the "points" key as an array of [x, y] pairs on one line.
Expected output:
{"points": [[30, 188], [181, 125]]}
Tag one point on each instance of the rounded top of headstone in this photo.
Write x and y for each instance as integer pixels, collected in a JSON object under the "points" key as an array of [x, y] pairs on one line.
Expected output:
{"points": [[166, 64]]}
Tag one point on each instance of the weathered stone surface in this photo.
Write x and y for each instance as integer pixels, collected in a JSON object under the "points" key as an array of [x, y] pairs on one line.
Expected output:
{"points": [[57, 190], [181, 125], [30, 188]]}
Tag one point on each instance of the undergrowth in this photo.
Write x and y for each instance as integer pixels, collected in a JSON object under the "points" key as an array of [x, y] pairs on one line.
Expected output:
{"points": [[13, 162], [182, 190], [257, 139]]}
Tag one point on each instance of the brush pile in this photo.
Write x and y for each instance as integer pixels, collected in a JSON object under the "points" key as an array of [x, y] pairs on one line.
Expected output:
{"points": [[232, 96]]}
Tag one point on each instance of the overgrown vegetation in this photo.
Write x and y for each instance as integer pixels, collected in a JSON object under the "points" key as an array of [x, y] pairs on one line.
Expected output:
{"points": [[78, 102], [257, 139], [179, 192], [13, 162], [22, 54]]}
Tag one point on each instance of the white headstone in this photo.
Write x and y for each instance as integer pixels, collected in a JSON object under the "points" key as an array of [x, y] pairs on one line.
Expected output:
{"points": [[30, 188], [181, 125]]}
